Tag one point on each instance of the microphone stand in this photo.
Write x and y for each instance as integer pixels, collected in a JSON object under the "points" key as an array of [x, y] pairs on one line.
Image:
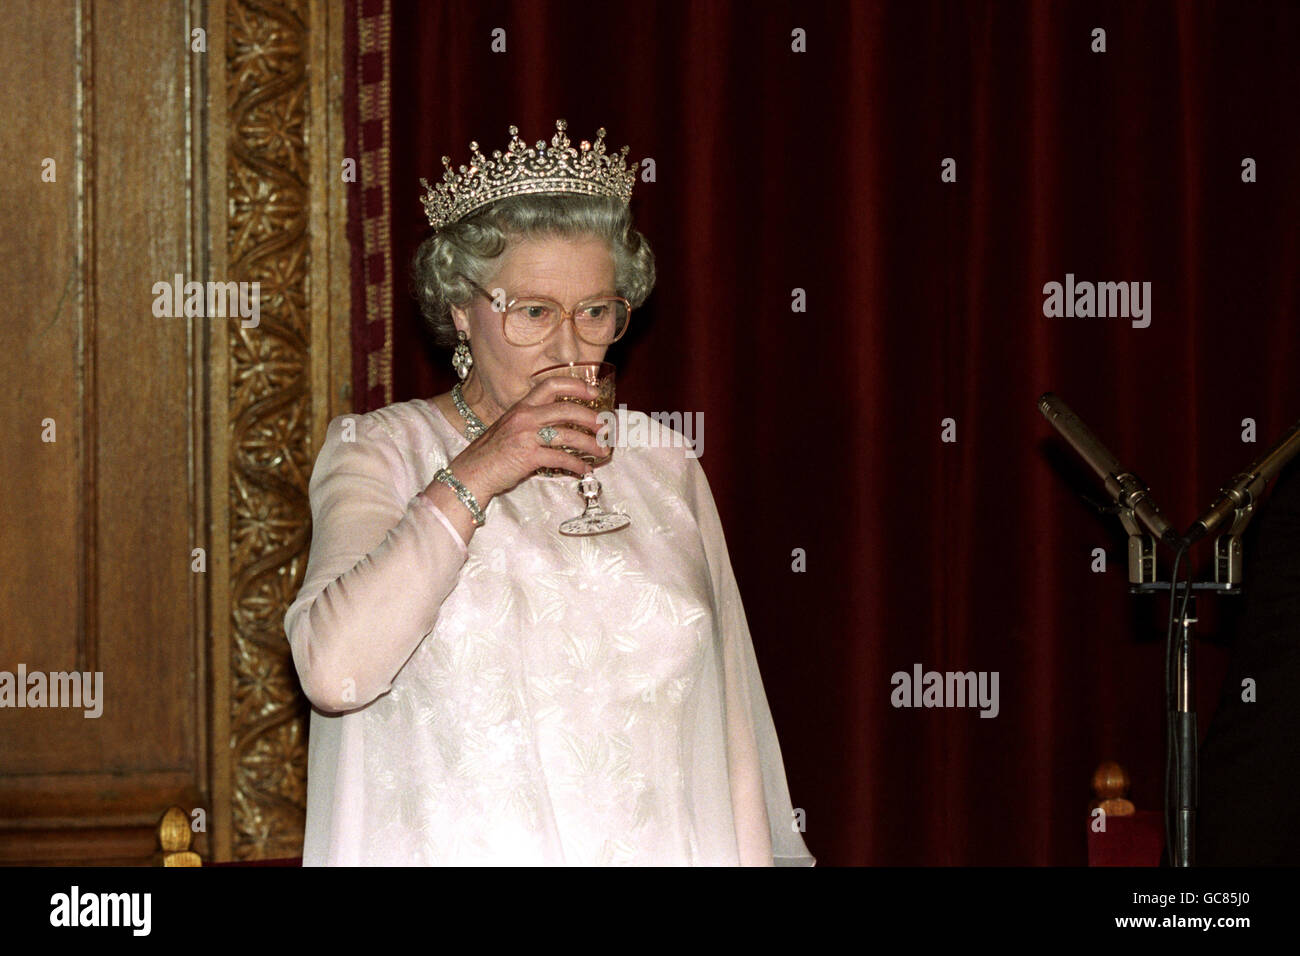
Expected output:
{"points": [[1181, 750], [1235, 506]]}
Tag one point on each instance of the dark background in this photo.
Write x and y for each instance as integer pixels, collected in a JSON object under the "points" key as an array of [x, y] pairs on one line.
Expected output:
{"points": [[821, 171]]}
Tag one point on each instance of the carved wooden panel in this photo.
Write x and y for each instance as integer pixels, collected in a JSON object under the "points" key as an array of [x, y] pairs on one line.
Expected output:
{"points": [[194, 138], [267, 184], [285, 231], [101, 462]]}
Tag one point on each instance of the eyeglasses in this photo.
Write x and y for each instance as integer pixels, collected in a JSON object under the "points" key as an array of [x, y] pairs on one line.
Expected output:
{"points": [[530, 320]]}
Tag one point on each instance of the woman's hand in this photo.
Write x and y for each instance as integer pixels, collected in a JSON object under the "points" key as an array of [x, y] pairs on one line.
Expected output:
{"points": [[510, 451]]}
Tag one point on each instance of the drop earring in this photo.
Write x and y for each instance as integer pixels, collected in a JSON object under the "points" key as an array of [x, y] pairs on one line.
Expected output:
{"points": [[461, 360]]}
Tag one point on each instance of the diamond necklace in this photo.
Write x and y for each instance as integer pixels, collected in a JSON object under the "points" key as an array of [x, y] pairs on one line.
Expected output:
{"points": [[474, 425]]}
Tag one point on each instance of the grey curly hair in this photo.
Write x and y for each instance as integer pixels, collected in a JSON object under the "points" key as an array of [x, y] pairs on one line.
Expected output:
{"points": [[472, 247]]}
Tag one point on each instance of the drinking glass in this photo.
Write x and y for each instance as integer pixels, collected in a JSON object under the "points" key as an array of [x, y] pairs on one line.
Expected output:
{"points": [[594, 519]]}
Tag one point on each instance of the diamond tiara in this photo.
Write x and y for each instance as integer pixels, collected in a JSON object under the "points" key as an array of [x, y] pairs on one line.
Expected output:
{"points": [[521, 170]]}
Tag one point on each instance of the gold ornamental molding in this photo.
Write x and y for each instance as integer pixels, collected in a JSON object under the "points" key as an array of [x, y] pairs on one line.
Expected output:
{"points": [[276, 146]]}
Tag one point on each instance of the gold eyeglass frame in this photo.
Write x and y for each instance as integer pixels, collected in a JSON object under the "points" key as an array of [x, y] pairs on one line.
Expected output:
{"points": [[565, 315]]}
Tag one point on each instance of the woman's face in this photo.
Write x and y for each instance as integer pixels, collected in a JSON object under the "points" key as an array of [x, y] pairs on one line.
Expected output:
{"points": [[566, 270]]}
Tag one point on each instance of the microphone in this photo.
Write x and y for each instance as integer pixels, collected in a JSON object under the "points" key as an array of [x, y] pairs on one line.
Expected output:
{"points": [[1245, 487], [1123, 486]]}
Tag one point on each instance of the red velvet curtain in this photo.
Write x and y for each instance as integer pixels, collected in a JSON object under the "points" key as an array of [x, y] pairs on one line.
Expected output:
{"points": [[822, 171]]}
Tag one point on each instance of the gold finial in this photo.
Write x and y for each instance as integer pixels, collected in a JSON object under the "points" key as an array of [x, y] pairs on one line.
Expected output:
{"points": [[174, 836], [1110, 783]]}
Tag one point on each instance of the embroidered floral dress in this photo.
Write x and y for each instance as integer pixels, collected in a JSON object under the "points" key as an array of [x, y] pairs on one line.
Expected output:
{"points": [[531, 698]]}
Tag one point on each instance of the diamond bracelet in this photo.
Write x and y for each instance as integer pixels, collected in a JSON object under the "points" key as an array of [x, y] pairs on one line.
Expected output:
{"points": [[467, 498]]}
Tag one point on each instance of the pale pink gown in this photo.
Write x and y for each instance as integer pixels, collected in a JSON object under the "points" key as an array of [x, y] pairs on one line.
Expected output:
{"points": [[535, 698]]}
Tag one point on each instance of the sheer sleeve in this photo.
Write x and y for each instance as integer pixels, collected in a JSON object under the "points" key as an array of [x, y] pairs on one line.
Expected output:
{"points": [[378, 571], [760, 796]]}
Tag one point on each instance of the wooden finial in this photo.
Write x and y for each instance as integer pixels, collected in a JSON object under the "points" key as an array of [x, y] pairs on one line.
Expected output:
{"points": [[174, 836], [1110, 785]]}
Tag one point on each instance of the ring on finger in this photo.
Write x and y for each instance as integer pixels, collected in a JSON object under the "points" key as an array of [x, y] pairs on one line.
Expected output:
{"points": [[547, 434]]}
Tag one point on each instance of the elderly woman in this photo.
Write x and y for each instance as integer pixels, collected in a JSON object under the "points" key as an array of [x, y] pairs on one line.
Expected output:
{"points": [[487, 690]]}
